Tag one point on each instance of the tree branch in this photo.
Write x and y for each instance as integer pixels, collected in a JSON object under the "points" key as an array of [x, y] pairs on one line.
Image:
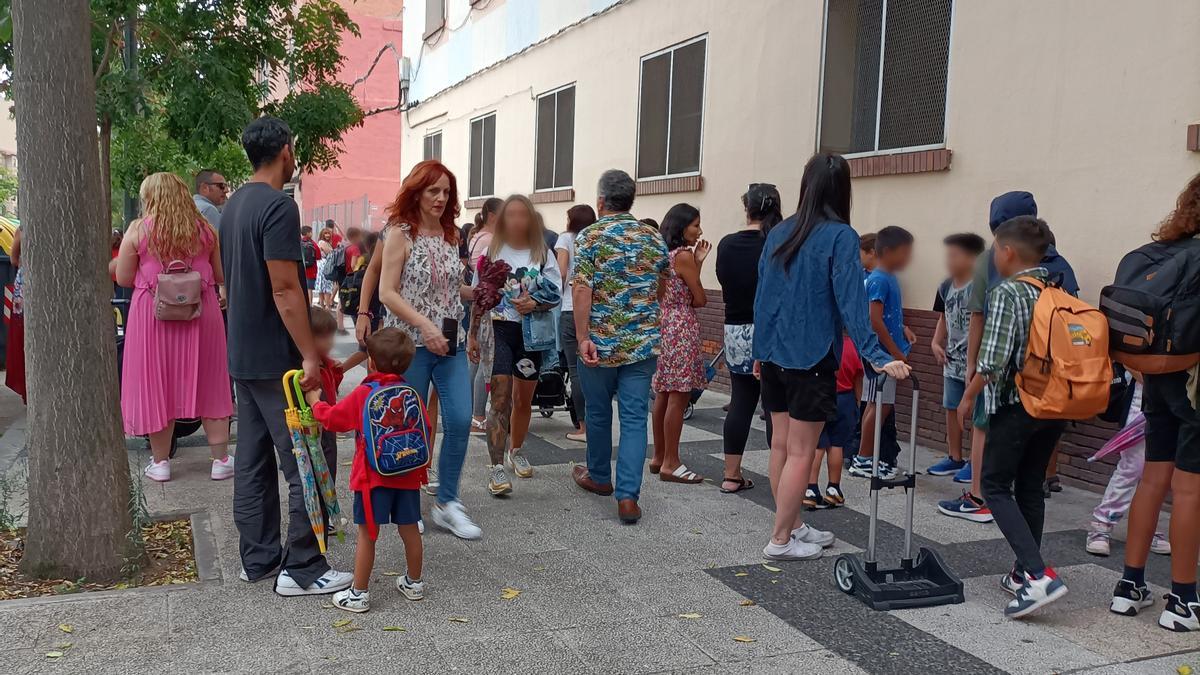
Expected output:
{"points": [[108, 44], [376, 111]]}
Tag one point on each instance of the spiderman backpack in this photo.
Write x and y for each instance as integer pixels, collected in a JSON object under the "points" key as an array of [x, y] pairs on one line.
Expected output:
{"points": [[395, 429]]}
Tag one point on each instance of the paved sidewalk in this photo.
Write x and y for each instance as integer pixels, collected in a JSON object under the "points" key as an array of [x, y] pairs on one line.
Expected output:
{"points": [[600, 597]]}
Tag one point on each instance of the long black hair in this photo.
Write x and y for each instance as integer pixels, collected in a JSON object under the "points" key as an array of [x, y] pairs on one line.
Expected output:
{"points": [[675, 222], [824, 195], [762, 203]]}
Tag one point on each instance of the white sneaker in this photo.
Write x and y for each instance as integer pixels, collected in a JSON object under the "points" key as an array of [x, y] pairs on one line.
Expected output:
{"points": [[431, 488], [421, 526], [159, 471], [453, 517], [1035, 594], [246, 577], [499, 484], [517, 462], [793, 550], [1098, 543], [1160, 544], [222, 468], [811, 535], [329, 582], [352, 600], [1179, 616], [413, 590]]}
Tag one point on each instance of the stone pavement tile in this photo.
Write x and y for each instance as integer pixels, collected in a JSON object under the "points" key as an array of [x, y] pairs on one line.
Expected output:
{"points": [[145, 657], [714, 633], [265, 647], [820, 661], [132, 617], [646, 646], [672, 593], [541, 652], [423, 659], [568, 603], [1159, 666], [979, 627]]}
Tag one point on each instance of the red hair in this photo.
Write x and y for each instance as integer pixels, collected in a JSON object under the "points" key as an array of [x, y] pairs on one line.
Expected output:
{"points": [[406, 208]]}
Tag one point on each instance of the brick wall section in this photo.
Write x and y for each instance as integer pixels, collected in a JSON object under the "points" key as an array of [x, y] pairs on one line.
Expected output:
{"points": [[1080, 441]]}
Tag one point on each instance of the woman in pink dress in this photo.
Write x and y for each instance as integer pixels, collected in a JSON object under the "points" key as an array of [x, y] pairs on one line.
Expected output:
{"points": [[680, 365], [173, 369]]}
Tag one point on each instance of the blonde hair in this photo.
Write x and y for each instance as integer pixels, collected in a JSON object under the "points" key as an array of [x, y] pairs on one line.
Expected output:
{"points": [[175, 232], [537, 231]]}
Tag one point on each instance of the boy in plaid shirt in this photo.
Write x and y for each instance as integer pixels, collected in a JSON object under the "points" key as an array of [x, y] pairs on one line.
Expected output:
{"points": [[1018, 447]]}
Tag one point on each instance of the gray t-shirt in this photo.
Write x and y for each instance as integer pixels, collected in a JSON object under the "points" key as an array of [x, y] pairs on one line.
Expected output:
{"points": [[209, 210], [953, 302], [261, 224]]}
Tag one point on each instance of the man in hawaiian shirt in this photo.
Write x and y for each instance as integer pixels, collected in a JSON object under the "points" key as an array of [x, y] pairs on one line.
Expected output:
{"points": [[619, 264]]}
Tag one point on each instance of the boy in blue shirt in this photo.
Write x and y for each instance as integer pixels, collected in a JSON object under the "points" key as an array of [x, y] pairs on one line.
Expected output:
{"points": [[893, 247]]}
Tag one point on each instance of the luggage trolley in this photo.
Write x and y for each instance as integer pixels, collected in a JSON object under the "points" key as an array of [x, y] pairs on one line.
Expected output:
{"points": [[922, 582]]}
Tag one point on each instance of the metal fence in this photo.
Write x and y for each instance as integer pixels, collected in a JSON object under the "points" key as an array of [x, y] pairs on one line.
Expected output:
{"points": [[361, 213]]}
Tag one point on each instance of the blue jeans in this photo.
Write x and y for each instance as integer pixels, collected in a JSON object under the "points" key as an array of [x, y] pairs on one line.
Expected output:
{"points": [[630, 384], [451, 378]]}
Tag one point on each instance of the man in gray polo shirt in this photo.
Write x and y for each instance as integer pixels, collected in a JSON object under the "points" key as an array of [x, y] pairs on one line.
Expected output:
{"points": [[211, 193]]}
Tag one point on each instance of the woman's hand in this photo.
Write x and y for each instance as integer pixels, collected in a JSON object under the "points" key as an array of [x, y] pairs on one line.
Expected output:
{"points": [[472, 349], [432, 338], [362, 328], [756, 369], [895, 369], [524, 304], [222, 300], [702, 250]]}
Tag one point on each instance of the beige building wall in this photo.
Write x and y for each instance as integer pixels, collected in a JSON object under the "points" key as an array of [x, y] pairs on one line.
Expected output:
{"points": [[1083, 103]]}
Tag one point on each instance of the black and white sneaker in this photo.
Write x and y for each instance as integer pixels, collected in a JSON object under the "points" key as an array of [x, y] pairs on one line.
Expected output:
{"points": [[1012, 583], [1179, 616], [813, 500], [1035, 594], [330, 582], [1128, 598]]}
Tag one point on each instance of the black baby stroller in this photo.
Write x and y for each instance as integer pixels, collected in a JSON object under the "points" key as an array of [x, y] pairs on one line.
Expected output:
{"points": [[553, 393]]}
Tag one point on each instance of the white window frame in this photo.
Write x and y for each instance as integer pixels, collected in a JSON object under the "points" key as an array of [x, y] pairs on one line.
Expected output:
{"points": [[426, 137], [537, 130], [670, 89], [470, 168], [879, 87]]}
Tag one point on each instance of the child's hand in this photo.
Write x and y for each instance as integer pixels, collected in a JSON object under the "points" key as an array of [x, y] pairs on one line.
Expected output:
{"points": [[966, 411], [312, 396], [939, 353], [909, 335]]}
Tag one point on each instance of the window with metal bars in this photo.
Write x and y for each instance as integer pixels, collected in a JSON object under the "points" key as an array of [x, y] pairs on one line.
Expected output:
{"points": [[433, 146], [555, 146], [482, 181], [671, 110], [885, 74]]}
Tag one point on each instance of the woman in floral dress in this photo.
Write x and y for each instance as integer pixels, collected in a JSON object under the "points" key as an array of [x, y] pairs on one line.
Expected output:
{"points": [[680, 366]]}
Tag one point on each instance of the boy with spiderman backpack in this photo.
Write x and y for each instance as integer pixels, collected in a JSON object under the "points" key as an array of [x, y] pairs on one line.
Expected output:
{"points": [[391, 453]]}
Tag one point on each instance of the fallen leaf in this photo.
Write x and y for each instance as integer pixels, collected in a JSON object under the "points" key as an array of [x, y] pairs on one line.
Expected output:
{"points": [[1185, 669], [743, 638], [509, 593], [689, 615], [54, 655], [769, 568], [539, 568], [349, 629], [459, 619], [747, 603], [393, 629], [392, 574], [66, 628], [65, 645], [741, 574], [308, 627], [697, 532], [326, 605], [341, 622]]}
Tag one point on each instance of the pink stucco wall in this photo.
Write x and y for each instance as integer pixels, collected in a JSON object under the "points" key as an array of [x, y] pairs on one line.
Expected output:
{"points": [[370, 163]]}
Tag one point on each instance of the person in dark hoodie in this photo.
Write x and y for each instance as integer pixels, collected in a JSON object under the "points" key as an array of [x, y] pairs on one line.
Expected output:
{"points": [[1005, 207]]}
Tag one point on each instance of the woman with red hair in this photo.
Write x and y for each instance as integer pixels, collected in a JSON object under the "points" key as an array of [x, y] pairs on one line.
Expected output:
{"points": [[421, 284]]}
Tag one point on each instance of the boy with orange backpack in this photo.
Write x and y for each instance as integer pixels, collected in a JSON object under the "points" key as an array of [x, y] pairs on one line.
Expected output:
{"points": [[1043, 360]]}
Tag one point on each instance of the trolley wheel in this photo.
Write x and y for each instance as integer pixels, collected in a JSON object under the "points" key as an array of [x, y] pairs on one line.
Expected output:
{"points": [[687, 412], [843, 574], [546, 412]]}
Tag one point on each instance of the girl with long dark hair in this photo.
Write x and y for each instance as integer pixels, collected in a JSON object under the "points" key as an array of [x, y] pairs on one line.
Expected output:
{"points": [[578, 217], [680, 365], [737, 272], [809, 289]]}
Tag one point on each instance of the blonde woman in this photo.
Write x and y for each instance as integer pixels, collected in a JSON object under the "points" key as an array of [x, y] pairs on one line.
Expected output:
{"points": [[173, 369]]}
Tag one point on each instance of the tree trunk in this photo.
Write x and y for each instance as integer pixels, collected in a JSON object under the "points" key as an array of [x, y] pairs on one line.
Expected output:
{"points": [[106, 168], [79, 518]]}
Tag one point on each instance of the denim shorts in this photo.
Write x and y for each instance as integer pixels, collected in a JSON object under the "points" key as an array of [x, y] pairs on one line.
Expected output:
{"points": [[389, 505], [952, 392], [840, 432]]}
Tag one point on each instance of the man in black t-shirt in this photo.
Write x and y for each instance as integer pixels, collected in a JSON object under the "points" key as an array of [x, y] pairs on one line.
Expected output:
{"points": [[269, 334]]}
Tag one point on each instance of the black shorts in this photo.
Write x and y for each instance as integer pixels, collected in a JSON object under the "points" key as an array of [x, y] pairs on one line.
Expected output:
{"points": [[510, 357], [1172, 424], [806, 395]]}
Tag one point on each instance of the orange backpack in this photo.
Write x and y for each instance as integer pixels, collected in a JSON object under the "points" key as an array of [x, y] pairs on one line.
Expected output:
{"points": [[1067, 369]]}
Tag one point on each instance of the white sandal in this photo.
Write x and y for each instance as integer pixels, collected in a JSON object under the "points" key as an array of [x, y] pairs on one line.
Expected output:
{"points": [[681, 474]]}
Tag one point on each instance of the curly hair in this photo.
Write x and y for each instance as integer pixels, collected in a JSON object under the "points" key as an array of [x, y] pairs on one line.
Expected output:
{"points": [[406, 208], [1184, 221], [176, 228]]}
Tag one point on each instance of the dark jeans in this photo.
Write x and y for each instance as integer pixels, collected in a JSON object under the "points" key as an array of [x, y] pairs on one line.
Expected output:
{"points": [[264, 448], [743, 405], [570, 348], [1015, 457]]}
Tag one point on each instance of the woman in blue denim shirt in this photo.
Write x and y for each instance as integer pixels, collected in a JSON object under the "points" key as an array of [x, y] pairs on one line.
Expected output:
{"points": [[809, 290]]}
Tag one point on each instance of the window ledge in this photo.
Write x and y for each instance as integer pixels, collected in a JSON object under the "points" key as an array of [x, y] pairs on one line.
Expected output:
{"points": [[662, 186], [920, 161], [1193, 137], [551, 196], [475, 202]]}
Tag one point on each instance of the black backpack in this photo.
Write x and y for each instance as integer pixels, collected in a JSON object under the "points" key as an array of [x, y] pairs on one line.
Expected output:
{"points": [[1153, 307], [308, 253], [335, 266]]}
